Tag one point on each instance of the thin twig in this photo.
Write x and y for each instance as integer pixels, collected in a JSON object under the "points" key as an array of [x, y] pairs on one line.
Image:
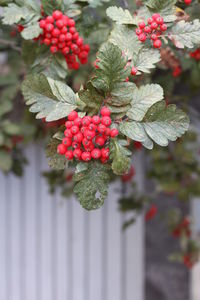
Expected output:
{"points": [[10, 44]]}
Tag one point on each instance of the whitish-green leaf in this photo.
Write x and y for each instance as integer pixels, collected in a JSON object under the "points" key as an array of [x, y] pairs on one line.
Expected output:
{"points": [[142, 99], [121, 157], [120, 15], [56, 161], [161, 124], [49, 98], [146, 59], [126, 39], [5, 161], [13, 13], [91, 185], [32, 31], [121, 94], [186, 34], [111, 68], [51, 5]]}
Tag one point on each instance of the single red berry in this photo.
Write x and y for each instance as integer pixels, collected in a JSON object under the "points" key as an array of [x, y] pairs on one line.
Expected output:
{"points": [[84, 61], [73, 115], [50, 19], [96, 153], [138, 31], [68, 124], [188, 2], [65, 20], [71, 23], [57, 15], [151, 213], [64, 30], [155, 16], [163, 27], [68, 133], [61, 149], [105, 111], [89, 135], [150, 20], [101, 128], [103, 160], [60, 24], [141, 25], [69, 154], [54, 49], [92, 126], [159, 20], [87, 48], [78, 137], [85, 142], [47, 42], [67, 141], [78, 121], [75, 36], [114, 133], [157, 44], [154, 37], [83, 128], [147, 29], [100, 141], [89, 147], [76, 145], [56, 32], [54, 41], [142, 37], [49, 27], [75, 49], [134, 71], [108, 131], [83, 55], [86, 156], [68, 36], [62, 38], [48, 35], [74, 129], [42, 24], [61, 45], [96, 120], [86, 120], [105, 152], [77, 153], [106, 121], [154, 25]]}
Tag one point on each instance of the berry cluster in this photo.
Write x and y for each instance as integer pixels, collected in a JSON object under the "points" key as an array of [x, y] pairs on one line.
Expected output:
{"points": [[195, 54], [153, 30], [86, 138], [59, 33], [188, 2]]}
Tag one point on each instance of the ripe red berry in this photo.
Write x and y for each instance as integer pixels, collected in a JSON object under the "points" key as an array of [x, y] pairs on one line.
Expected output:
{"points": [[96, 153], [150, 20], [77, 153], [114, 133], [92, 126], [101, 128], [49, 27], [76, 145], [64, 30], [86, 156], [106, 121], [78, 121], [86, 120], [61, 149], [54, 49], [154, 37], [62, 38], [141, 25], [50, 19], [71, 23], [100, 141], [67, 141], [42, 24], [154, 25], [57, 14], [69, 154], [73, 115], [108, 131], [159, 20], [188, 2], [68, 133], [105, 152], [147, 29], [68, 124], [96, 120], [65, 50], [89, 135], [105, 111], [138, 31], [157, 43], [74, 129], [56, 32], [78, 137], [163, 27], [155, 16], [134, 71], [47, 42], [142, 37], [54, 41]]}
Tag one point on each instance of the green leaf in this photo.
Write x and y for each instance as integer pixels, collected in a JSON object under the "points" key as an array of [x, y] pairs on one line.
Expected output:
{"points": [[120, 15], [50, 6], [91, 185], [91, 98], [29, 51], [5, 161], [51, 99], [121, 94], [56, 161], [13, 14], [186, 34], [126, 40], [120, 155], [146, 59], [111, 68], [142, 99], [161, 124], [32, 31]]}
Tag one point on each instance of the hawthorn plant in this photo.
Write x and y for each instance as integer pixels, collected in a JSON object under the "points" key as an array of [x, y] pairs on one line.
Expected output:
{"points": [[117, 105]]}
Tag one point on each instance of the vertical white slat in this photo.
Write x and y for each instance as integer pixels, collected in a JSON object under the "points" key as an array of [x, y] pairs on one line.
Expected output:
{"points": [[94, 256], [3, 233], [114, 231], [62, 252], [15, 216], [69, 247], [78, 255], [135, 244]]}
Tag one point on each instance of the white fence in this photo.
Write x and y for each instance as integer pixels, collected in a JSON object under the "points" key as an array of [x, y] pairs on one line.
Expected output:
{"points": [[51, 249]]}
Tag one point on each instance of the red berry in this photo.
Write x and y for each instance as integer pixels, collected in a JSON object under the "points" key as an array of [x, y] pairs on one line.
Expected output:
{"points": [[62, 38], [159, 20], [56, 32], [83, 128], [142, 37], [141, 25], [108, 131], [68, 36], [163, 27], [106, 121], [157, 43], [78, 137], [86, 156], [87, 48], [89, 135], [96, 153], [92, 126], [105, 111], [71, 23], [65, 50], [61, 149], [154, 25], [68, 124], [105, 152], [155, 16], [100, 141], [74, 129], [47, 42], [188, 2], [77, 153], [147, 29], [78, 121], [73, 115], [49, 27], [75, 36], [83, 55], [68, 133], [134, 71], [138, 31], [54, 41], [101, 128], [150, 20], [57, 15], [76, 145], [54, 49], [42, 24], [114, 133], [85, 142], [67, 141], [103, 160], [69, 154], [96, 120], [50, 19], [154, 37], [64, 30], [60, 24], [86, 120]]}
